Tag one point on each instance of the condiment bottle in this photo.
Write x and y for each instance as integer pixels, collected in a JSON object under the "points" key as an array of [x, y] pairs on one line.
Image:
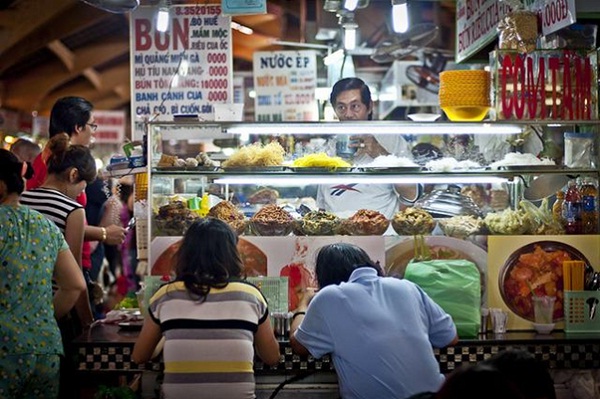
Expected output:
{"points": [[589, 211], [572, 209], [204, 205], [558, 206]]}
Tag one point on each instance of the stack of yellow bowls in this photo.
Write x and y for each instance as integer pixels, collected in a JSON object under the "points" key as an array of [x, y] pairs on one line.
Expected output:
{"points": [[465, 94]]}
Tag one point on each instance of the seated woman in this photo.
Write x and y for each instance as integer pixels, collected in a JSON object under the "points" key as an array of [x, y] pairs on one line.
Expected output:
{"points": [[212, 322]]}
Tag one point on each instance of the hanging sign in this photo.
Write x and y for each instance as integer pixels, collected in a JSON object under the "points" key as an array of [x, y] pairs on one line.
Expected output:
{"points": [[244, 7], [184, 70], [557, 14], [285, 84], [111, 127], [546, 85], [476, 25]]}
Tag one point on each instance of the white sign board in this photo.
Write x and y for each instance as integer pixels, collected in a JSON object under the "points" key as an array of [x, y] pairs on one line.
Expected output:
{"points": [[285, 84], [476, 25], [111, 127], [184, 70], [557, 14]]}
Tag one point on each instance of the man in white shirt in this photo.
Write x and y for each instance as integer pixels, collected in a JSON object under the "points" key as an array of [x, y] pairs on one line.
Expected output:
{"points": [[351, 101]]}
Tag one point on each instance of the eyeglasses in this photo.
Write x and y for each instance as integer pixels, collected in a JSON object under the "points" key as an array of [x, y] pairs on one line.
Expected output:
{"points": [[93, 126], [341, 109]]}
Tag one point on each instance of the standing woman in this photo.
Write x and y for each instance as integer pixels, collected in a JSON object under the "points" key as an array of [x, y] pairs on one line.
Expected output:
{"points": [[212, 321], [70, 168], [33, 252]]}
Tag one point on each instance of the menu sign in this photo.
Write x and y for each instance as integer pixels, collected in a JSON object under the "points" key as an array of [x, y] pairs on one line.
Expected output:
{"points": [[285, 84], [184, 70], [111, 127], [476, 25], [557, 14]]}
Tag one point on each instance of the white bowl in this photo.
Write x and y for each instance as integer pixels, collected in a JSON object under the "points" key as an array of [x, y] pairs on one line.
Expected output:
{"points": [[423, 117], [543, 328]]}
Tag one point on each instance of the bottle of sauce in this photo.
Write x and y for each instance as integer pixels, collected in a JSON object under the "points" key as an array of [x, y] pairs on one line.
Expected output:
{"points": [[572, 209], [557, 207], [589, 210]]}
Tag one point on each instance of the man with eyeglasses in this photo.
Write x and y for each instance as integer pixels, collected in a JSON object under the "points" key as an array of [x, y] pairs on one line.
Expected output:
{"points": [[351, 101], [73, 115]]}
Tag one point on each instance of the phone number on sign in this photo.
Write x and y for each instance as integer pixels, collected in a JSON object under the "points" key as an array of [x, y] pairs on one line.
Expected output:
{"points": [[198, 10]]}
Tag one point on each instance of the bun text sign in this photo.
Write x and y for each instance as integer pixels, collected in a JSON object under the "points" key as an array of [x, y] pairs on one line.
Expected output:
{"points": [[545, 85]]}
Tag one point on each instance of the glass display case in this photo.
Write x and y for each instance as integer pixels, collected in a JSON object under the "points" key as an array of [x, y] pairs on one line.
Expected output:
{"points": [[496, 165]]}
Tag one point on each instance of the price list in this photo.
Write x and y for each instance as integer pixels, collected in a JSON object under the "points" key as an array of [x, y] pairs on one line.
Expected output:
{"points": [[184, 70]]}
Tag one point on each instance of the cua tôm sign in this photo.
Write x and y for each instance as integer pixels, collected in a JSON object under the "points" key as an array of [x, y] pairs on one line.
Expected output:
{"points": [[554, 85]]}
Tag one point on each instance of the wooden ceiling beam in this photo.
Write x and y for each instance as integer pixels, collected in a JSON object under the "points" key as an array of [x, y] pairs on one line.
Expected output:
{"points": [[26, 92], [80, 16], [63, 53], [20, 22], [93, 77], [112, 78]]}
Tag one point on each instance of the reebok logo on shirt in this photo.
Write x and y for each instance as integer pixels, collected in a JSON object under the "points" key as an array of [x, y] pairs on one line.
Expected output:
{"points": [[340, 189]]}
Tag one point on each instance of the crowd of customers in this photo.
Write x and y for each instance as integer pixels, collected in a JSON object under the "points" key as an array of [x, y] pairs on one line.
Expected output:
{"points": [[208, 322]]}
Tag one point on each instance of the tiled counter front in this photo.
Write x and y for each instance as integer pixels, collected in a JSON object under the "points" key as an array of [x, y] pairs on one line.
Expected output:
{"points": [[107, 349]]}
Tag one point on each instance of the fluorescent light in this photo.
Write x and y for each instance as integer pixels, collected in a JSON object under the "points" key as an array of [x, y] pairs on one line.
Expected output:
{"points": [[380, 127], [400, 17], [162, 19], [184, 67], [350, 5], [349, 38], [307, 179], [334, 57], [241, 28]]}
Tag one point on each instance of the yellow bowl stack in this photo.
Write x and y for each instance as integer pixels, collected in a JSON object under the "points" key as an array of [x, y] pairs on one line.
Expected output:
{"points": [[465, 94]]}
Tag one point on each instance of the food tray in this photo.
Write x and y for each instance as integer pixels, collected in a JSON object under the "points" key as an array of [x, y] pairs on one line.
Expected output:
{"points": [[311, 169], [578, 311], [390, 169], [253, 169], [187, 168], [531, 168]]}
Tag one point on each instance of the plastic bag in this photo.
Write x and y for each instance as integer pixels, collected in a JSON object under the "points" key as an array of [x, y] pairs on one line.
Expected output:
{"points": [[518, 30], [455, 285]]}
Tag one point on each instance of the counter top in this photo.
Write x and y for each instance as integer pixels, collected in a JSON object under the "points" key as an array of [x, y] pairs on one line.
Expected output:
{"points": [[108, 348]]}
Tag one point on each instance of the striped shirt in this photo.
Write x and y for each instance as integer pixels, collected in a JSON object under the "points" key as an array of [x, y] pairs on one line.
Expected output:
{"points": [[51, 203], [209, 345]]}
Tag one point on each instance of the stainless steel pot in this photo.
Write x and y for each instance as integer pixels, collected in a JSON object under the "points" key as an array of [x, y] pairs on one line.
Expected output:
{"points": [[447, 203]]}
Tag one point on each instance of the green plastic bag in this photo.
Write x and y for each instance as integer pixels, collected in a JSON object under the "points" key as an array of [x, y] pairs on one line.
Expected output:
{"points": [[455, 285]]}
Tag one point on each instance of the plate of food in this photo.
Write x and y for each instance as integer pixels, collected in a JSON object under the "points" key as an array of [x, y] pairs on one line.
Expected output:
{"points": [[536, 269], [399, 255], [319, 169]]}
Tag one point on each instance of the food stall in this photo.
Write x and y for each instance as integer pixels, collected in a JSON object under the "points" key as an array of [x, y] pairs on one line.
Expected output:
{"points": [[489, 189]]}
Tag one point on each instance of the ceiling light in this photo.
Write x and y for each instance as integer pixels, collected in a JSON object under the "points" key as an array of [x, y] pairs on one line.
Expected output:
{"points": [[241, 28], [349, 38], [162, 18], [350, 5], [350, 177], [381, 127], [400, 15]]}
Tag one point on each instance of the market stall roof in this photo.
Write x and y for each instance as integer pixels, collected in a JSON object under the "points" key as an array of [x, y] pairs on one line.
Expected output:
{"points": [[67, 47]]}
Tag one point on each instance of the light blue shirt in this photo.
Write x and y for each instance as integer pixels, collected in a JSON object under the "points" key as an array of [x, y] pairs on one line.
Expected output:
{"points": [[380, 332]]}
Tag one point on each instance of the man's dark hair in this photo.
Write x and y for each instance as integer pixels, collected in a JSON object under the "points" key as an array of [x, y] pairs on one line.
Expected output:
{"points": [[68, 113], [336, 262], [352, 84]]}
